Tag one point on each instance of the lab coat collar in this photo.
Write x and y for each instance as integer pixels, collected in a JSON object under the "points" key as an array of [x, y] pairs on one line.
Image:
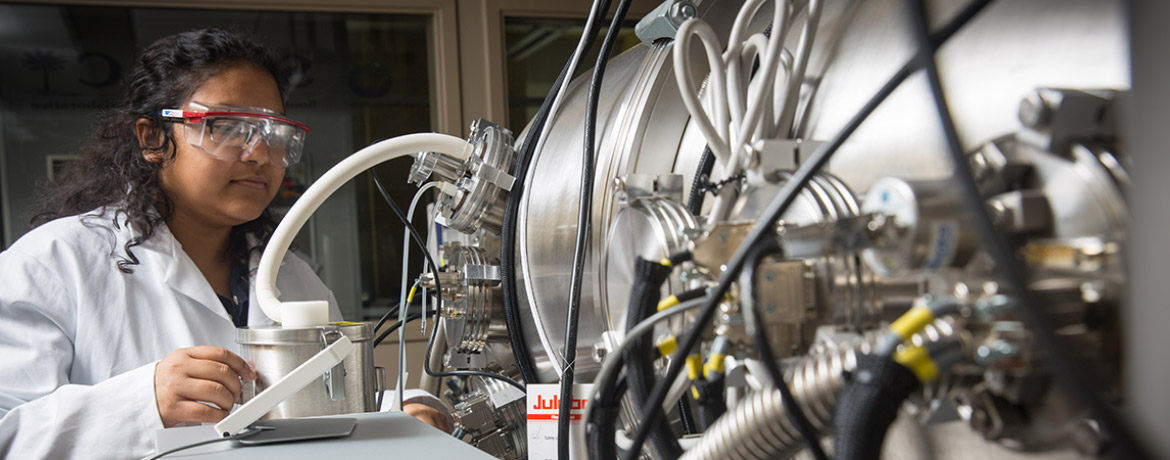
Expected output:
{"points": [[184, 276], [180, 272]]}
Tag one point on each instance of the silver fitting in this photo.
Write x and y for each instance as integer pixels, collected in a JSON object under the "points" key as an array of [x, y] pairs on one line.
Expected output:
{"points": [[474, 189]]}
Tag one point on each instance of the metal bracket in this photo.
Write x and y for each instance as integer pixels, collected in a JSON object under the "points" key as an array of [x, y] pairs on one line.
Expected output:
{"points": [[664, 21], [334, 378], [495, 176]]}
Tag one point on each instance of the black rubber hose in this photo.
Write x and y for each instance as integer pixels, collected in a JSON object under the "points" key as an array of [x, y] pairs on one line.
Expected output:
{"points": [[602, 426], [712, 403], [796, 415], [877, 388], [527, 148], [772, 213], [1071, 375], [584, 222], [699, 185], [523, 355], [649, 276]]}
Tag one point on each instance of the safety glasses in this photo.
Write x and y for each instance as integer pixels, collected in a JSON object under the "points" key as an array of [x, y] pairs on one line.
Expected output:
{"points": [[232, 133]]}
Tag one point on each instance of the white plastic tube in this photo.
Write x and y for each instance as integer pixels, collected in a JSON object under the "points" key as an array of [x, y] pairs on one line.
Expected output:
{"points": [[803, 50], [325, 186], [715, 127], [768, 66]]}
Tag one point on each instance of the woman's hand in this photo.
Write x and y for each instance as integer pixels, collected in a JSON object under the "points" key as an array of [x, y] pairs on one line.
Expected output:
{"points": [[428, 414], [190, 375]]}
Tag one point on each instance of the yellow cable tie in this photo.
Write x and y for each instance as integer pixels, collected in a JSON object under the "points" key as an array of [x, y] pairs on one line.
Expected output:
{"points": [[695, 392], [668, 346], [668, 302], [918, 361], [666, 262], [912, 322], [410, 296], [694, 366]]}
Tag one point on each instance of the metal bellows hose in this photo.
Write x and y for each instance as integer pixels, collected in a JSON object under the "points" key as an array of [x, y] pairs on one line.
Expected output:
{"points": [[759, 427]]}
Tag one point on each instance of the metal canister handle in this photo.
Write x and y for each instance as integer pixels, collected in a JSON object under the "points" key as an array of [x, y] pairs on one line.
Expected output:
{"points": [[334, 378]]}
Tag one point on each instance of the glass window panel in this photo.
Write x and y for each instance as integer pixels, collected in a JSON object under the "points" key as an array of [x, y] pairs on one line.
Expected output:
{"points": [[536, 50]]}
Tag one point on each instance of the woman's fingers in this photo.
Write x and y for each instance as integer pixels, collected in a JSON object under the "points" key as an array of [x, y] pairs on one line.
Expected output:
{"points": [[207, 391], [191, 411], [216, 372], [222, 355], [190, 375]]}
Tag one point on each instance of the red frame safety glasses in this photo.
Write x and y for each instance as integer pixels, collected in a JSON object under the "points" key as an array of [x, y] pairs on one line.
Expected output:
{"points": [[231, 133]]}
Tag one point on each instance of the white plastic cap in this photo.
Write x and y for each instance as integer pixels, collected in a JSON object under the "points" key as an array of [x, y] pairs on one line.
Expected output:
{"points": [[304, 314]]}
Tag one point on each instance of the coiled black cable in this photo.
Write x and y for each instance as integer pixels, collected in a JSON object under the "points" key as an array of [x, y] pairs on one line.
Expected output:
{"points": [[766, 225], [584, 222]]}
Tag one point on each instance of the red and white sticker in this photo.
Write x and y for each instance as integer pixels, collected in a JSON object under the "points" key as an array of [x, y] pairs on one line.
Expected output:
{"points": [[544, 403]]}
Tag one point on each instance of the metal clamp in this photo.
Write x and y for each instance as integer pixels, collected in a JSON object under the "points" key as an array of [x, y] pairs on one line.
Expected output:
{"points": [[334, 378]]}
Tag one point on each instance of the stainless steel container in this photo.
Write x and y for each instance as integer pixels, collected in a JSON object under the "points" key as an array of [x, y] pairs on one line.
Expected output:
{"points": [[354, 385]]}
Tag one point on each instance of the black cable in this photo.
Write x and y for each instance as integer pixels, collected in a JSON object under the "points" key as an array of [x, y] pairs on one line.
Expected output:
{"points": [[1073, 376], [755, 325], [699, 185], [680, 257], [414, 235], [241, 435], [584, 222], [690, 294], [418, 240], [389, 313], [765, 226], [410, 317], [527, 148]]}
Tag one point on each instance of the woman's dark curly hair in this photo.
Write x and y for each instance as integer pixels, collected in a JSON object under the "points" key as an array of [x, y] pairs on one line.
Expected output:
{"points": [[111, 171]]}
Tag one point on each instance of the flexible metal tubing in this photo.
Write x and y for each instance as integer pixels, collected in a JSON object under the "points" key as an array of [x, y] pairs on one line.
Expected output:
{"points": [[760, 426]]}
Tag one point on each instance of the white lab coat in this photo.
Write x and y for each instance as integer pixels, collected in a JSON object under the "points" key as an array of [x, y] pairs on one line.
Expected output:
{"points": [[79, 339]]}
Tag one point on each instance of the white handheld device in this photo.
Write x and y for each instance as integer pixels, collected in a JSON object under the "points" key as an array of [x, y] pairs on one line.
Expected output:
{"points": [[285, 387]]}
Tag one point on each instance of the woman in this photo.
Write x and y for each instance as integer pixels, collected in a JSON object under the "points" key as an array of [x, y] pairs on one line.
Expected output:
{"points": [[119, 313]]}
